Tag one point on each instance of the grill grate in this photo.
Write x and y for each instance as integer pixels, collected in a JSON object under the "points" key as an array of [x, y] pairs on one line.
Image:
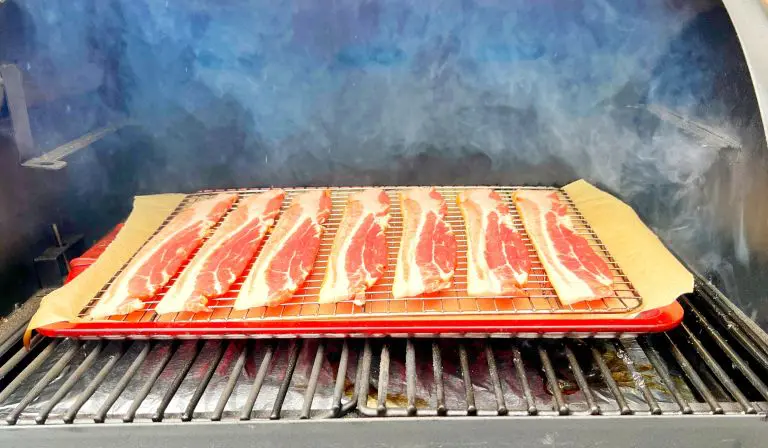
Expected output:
{"points": [[379, 303], [712, 364]]}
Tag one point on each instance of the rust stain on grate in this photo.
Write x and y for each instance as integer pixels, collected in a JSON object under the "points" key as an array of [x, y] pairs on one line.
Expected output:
{"points": [[541, 298]]}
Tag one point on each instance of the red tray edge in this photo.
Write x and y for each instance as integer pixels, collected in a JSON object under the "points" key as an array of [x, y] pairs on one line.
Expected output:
{"points": [[651, 321]]}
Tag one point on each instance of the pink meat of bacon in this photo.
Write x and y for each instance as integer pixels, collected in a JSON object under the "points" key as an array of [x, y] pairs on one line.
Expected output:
{"points": [[161, 257], [575, 270], [224, 257], [287, 257], [359, 253], [497, 258], [427, 257]]}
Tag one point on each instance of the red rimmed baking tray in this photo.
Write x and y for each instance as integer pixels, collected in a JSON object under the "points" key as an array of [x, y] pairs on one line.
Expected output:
{"points": [[450, 312]]}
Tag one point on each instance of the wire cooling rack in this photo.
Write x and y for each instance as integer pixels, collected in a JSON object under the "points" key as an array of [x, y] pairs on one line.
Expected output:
{"points": [[540, 297]]}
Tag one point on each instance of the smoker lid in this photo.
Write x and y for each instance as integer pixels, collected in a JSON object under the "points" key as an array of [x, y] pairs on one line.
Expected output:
{"points": [[750, 19]]}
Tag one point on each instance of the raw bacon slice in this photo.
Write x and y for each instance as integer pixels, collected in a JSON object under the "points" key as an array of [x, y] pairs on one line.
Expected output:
{"points": [[497, 258], [359, 253], [161, 257], [287, 257], [427, 256], [575, 270], [225, 255]]}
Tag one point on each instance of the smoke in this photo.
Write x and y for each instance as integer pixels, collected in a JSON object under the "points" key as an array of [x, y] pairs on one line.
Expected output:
{"points": [[245, 93]]}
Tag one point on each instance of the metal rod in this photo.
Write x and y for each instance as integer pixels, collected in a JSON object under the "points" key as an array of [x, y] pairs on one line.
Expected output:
{"points": [[43, 383], [31, 368], [69, 417], [309, 394], [623, 352], [42, 416], [501, 405], [364, 371], [560, 406], [144, 391], [410, 377], [12, 340], [177, 380], [292, 359], [581, 381], [341, 376], [381, 402], [245, 413], [610, 382], [234, 375], [437, 372], [189, 411], [736, 360], [694, 377], [661, 369], [517, 359], [122, 384], [468, 388], [718, 371], [18, 356]]}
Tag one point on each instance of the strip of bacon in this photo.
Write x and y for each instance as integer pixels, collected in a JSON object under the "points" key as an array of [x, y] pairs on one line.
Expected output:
{"points": [[287, 257], [427, 257], [161, 257], [497, 258], [224, 257], [359, 253], [575, 270]]}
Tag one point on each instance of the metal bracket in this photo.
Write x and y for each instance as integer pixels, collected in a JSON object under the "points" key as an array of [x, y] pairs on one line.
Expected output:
{"points": [[11, 79]]}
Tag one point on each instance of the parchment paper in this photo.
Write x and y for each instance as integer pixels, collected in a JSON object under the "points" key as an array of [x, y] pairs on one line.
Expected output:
{"points": [[656, 274], [64, 304]]}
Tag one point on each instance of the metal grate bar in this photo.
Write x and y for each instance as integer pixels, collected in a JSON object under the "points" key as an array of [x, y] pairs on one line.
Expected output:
{"points": [[43, 383], [694, 378], [640, 383], [660, 367], [285, 384], [11, 341], [718, 371], [101, 415], [736, 360], [437, 372], [610, 382], [309, 395], [493, 370], [231, 382], [381, 405], [410, 377], [465, 375], [341, 375], [69, 417], [142, 394], [364, 385], [581, 381], [31, 368], [546, 364], [517, 359], [67, 386], [189, 411], [245, 414], [18, 357]]}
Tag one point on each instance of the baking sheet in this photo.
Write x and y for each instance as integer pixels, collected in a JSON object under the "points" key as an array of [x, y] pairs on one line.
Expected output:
{"points": [[652, 269]]}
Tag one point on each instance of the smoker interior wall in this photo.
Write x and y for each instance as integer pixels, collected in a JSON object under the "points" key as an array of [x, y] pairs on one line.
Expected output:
{"points": [[651, 100]]}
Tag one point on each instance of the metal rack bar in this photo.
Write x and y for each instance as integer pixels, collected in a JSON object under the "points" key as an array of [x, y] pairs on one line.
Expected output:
{"points": [[189, 411], [381, 404], [410, 377], [610, 382], [559, 403], [42, 416], [661, 369], [694, 377], [16, 358], [309, 394], [517, 360], [231, 382], [258, 381], [341, 376], [581, 381], [31, 368], [292, 359], [144, 391], [465, 375], [69, 417], [623, 352], [43, 383], [437, 372], [122, 384], [501, 405]]}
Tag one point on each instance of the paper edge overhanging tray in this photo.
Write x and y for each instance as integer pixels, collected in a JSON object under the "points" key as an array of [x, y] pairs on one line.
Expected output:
{"points": [[654, 320]]}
